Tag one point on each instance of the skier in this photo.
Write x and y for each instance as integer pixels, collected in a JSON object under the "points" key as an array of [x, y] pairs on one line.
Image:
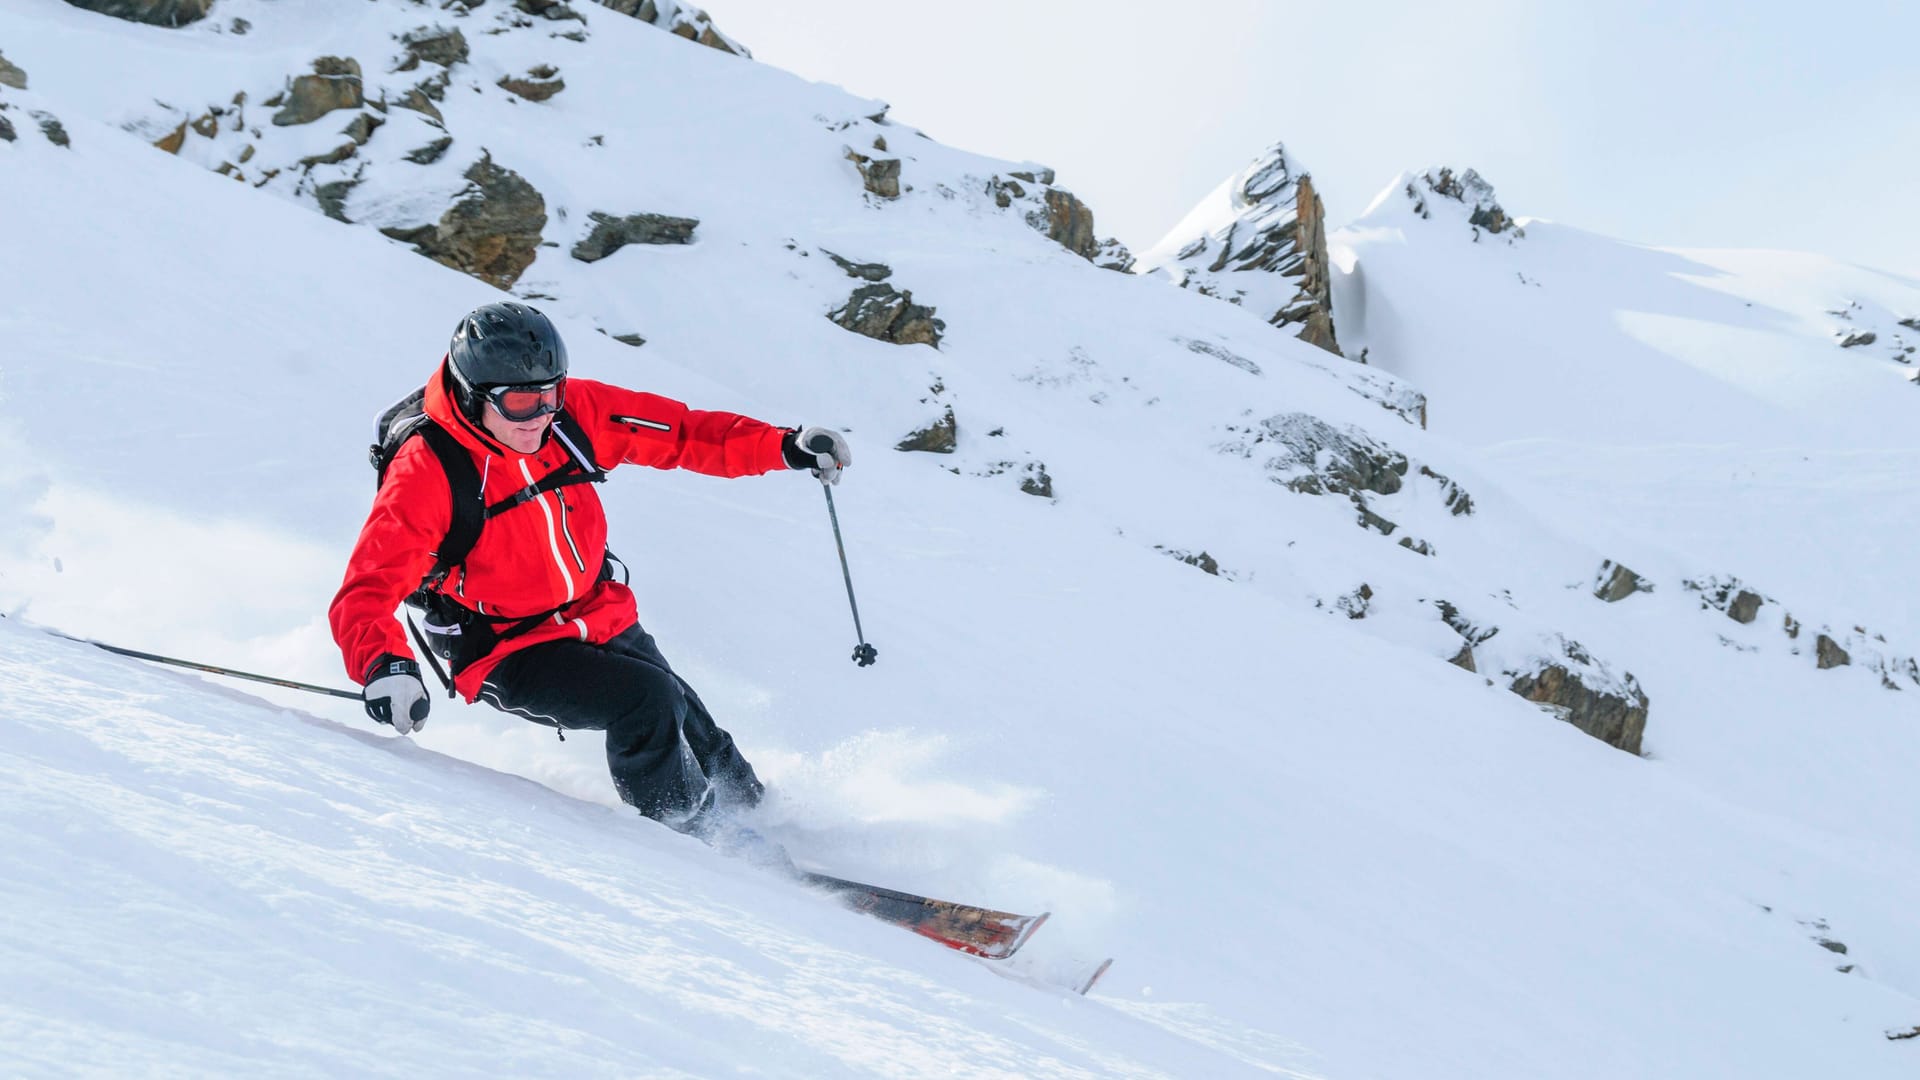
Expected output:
{"points": [[531, 620]]}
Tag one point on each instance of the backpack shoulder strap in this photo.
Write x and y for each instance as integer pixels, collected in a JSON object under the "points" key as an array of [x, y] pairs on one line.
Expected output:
{"points": [[577, 442], [463, 480]]}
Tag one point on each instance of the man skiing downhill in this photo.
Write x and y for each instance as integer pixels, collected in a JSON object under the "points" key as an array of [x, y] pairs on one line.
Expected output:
{"points": [[531, 619]]}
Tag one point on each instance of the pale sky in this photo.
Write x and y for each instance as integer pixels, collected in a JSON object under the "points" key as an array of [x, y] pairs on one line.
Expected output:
{"points": [[1678, 123]]}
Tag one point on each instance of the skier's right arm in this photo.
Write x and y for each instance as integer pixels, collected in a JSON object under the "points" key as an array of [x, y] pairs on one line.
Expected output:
{"points": [[410, 516]]}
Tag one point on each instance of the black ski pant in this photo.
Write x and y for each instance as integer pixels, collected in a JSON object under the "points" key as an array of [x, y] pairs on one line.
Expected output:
{"points": [[668, 758]]}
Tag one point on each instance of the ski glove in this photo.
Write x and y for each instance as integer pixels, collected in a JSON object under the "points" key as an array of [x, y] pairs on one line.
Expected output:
{"points": [[395, 695], [822, 450]]}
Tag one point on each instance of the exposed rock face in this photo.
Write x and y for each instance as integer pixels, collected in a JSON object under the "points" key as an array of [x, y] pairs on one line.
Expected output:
{"points": [[940, 437], [171, 142], [880, 175], [1261, 243], [1038, 482], [886, 314], [1585, 694], [51, 127], [1469, 190], [610, 233], [1615, 582], [1070, 224], [538, 84], [1316, 457], [1728, 594], [442, 45], [684, 20], [152, 12], [1829, 654], [11, 75], [6, 129], [430, 153], [1113, 255], [492, 232], [334, 84], [863, 271]]}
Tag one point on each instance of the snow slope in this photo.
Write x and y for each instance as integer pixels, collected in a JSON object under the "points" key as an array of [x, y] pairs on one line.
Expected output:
{"points": [[1316, 848]]}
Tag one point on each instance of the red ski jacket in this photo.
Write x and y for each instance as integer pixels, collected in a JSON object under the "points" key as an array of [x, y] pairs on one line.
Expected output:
{"points": [[535, 557]]}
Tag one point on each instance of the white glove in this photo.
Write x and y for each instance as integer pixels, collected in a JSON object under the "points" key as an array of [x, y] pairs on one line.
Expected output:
{"points": [[822, 450], [395, 695]]}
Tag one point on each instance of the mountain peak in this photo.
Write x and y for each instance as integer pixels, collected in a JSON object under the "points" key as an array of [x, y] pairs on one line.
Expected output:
{"points": [[1266, 218]]}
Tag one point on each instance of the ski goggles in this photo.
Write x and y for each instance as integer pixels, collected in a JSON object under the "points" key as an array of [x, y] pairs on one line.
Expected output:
{"points": [[528, 401]]}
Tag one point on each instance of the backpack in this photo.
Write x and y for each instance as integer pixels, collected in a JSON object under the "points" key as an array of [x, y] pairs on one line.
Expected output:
{"points": [[455, 632]]}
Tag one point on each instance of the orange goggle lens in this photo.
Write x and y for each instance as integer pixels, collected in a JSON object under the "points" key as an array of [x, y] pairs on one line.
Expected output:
{"points": [[523, 403]]}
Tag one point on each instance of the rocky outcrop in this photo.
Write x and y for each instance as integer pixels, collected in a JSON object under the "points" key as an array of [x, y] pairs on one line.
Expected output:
{"points": [[1070, 224], [863, 271], [939, 437], [610, 233], [334, 84], [431, 152], [152, 12], [881, 176], [1113, 255], [442, 45], [11, 75], [51, 127], [1831, 648], [1729, 595], [1585, 693], [1259, 242], [1469, 190], [1615, 582], [1828, 653], [684, 20], [887, 314], [491, 232], [1058, 214], [1308, 455], [538, 84]]}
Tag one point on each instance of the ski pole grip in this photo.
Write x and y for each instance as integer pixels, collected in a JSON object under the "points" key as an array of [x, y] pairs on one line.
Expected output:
{"points": [[820, 444]]}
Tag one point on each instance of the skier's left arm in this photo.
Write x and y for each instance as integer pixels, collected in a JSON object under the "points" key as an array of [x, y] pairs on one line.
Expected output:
{"points": [[648, 429]]}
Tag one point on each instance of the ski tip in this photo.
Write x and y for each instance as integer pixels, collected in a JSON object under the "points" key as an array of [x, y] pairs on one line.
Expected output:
{"points": [[1027, 932], [1093, 979]]}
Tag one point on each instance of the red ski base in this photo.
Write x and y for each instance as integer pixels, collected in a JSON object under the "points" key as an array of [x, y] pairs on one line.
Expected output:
{"points": [[976, 931]]}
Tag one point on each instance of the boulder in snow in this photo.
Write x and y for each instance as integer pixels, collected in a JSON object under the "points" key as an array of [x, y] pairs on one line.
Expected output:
{"points": [[680, 19], [1828, 653], [610, 233], [880, 175], [334, 84], [442, 45], [11, 75], [939, 437], [1070, 224], [152, 12], [539, 83], [1587, 694], [1615, 582], [874, 272], [492, 232], [887, 314]]}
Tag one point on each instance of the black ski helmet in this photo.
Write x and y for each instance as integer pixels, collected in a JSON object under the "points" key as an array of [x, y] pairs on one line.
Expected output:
{"points": [[502, 344]]}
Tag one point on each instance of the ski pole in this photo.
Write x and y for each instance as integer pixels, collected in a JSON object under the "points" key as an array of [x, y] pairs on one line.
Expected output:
{"points": [[213, 669], [863, 653]]}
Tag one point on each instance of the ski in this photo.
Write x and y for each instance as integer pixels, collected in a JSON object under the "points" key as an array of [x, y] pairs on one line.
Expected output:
{"points": [[976, 931]]}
